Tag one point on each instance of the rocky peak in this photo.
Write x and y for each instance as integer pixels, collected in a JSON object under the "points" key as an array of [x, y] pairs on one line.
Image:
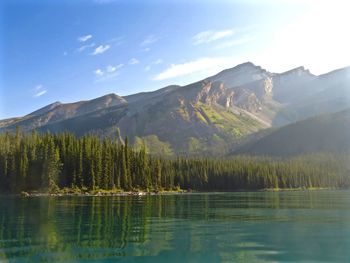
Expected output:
{"points": [[296, 72], [246, 66], [241, 74], [241, 68], [45, 109], [342, 73], [292, 78], [108, 99], [291, 84]]}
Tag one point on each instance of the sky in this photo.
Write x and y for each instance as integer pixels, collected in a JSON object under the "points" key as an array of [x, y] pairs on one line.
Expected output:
{"points": [[71, 50]]}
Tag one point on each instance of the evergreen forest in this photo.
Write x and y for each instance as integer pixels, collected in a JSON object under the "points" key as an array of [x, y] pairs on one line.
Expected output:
{"points": [[52, 162]]}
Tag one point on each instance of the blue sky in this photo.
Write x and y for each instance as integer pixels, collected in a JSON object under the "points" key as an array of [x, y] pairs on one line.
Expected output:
{"points": [[75, 50]]}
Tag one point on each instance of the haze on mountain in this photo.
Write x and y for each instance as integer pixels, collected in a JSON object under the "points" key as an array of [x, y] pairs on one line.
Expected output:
{"points": [[326, 133], [209, 117]]}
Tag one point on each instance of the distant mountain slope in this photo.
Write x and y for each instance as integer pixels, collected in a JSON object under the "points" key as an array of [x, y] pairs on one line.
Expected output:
{"points": [[324, 133], [210, 116], [57, 112], [325, 94]]}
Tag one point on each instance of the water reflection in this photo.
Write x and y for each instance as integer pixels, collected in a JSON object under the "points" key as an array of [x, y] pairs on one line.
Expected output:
{"points": [[225, 227]]}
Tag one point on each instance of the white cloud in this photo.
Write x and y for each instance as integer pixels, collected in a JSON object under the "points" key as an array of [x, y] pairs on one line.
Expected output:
{"points": [[82, 48], [109, 72], [98, 72], [39, 91], [38, 87], [101, 49], [201, 65], [116, 40], [210, 36], [150, 39], [235, 42], [84, 38], [155, 62], [111, 68], [134, 61]]}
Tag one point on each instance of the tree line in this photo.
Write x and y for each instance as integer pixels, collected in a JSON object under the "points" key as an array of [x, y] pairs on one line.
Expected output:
{"points": [[49, 162]]}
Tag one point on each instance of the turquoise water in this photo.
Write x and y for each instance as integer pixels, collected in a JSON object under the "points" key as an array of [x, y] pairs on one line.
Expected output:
{"points": [[217, 227]]}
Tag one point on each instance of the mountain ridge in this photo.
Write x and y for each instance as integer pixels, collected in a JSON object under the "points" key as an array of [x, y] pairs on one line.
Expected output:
{"points": [[208, 116]]}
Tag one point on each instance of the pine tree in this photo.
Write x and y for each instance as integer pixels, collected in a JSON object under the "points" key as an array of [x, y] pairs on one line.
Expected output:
{"points": [[124, 169]]}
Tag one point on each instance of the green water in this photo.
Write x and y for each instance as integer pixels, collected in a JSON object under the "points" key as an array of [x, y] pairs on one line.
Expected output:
{"points": [[223, 227]]}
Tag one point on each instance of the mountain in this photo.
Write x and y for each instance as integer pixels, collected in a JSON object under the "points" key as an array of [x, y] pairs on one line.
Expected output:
{"points": [[323, 94], [210, 116], [324, 133], [58, 111]]}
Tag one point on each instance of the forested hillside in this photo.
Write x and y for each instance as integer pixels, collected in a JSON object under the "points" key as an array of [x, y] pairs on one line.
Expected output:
{"points": [[51, 162]]}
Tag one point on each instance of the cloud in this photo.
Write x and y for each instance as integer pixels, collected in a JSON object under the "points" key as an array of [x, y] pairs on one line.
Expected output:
{"points": [[235, 42], [101, 49], [116, 40], [82, 48], [98, 72], [39, 91], [84, 38], [38, 87], [134, 61], [201, 65], [210, 36], [111, 68], [109, 72], [156, 62], [150, 39]]}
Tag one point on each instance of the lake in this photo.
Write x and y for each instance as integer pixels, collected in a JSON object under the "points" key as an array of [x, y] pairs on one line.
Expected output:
{"points": [[291, 226]]}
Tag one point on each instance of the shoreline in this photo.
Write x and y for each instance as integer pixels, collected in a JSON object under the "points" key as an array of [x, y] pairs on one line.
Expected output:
{"points": [[101, 193], [98, 193]]}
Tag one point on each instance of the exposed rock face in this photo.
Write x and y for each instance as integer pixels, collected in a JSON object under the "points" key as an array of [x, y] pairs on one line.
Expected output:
{"points": [[46, 109], [268, 85], [240, 75], [207, 116], [215, 93]]}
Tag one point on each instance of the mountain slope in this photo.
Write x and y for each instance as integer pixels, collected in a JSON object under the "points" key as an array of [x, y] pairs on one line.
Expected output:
{"points": [[210, 116], [324, 133], [57, 112], [323, 94], [191, 119]]}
